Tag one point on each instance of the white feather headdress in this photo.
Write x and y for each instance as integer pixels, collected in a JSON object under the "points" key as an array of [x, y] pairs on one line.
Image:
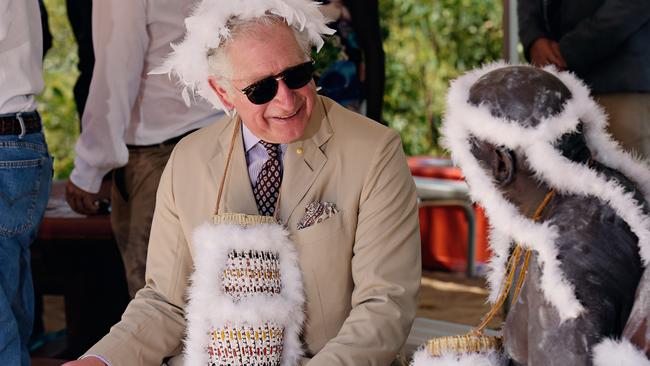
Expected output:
{"points": [[463, 120], [207, 28]]}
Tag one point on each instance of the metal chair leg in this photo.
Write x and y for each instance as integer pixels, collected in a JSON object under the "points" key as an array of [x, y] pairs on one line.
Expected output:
{"points": [[471, 240]]}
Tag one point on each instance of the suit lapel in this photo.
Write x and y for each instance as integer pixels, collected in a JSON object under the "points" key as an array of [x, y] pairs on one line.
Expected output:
{"points": [[302, 169], [237, 193]]}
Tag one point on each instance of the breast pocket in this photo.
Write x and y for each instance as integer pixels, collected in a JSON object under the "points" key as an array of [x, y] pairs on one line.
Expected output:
{"points": [[321, 231]]}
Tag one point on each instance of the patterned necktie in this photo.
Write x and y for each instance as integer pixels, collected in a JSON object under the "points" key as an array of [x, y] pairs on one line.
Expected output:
{"points": [[267, 188]]}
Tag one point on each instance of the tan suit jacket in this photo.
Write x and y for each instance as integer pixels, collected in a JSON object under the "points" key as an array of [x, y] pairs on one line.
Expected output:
{"points": [[361, 267]]}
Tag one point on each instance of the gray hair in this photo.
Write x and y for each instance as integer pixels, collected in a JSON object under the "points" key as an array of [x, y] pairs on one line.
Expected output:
{"points": [[218, 61]]}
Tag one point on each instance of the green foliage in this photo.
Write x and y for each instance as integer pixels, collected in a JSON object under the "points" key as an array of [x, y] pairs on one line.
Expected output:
{"points": [[56, 104], [428, 43], [331, 52]]}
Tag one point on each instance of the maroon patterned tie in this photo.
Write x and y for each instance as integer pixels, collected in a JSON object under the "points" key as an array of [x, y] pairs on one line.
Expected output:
{"points": [[267, 188]]}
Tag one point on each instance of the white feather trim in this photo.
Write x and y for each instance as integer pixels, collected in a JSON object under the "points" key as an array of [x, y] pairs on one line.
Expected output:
{"points": [[423, 358], [463, 120], [207, 29], [208, 305], [610, 352]]}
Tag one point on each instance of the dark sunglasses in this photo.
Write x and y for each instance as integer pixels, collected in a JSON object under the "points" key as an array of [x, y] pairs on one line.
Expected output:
{"points": [[295, 77]]}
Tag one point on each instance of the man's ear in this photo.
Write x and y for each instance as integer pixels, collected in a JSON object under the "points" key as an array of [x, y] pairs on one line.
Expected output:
{"points": [[503, 166], [221, 92]]}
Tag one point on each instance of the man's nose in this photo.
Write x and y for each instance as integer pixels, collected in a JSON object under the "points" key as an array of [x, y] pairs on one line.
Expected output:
{"points": [[285, 96]]}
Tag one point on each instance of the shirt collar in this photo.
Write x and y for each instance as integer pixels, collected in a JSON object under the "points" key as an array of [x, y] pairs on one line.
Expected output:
{"points": [[250, 140]]}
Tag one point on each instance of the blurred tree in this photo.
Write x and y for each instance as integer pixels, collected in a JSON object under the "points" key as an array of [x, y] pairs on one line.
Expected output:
{"points": [[56, 104], [428, 43]]}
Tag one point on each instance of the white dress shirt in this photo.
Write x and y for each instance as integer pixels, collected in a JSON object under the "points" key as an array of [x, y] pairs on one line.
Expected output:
{"points": [[126, 106], [21, 53]]}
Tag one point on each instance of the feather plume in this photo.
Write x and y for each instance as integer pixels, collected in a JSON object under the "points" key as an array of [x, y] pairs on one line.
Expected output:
{"points": [[610, 352], [423, 358]]}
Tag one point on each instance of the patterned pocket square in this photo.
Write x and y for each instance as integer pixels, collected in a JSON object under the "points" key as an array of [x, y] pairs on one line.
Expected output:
{"points": [[317, 212]]}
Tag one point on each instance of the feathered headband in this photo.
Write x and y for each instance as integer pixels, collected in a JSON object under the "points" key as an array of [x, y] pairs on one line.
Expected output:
{"points": [[207, 28], [463, 121]]}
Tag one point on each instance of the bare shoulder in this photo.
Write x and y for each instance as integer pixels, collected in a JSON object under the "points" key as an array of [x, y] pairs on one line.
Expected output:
{"points": [[595, 245]]}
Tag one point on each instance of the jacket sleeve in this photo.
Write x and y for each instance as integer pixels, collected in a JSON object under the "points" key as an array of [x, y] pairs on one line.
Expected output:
{"points": [[531, 23], [153, 324], [386, 265], [600, 35]]}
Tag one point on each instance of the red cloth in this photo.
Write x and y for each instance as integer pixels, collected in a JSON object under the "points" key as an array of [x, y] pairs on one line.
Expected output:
{"points": [[443, 230]]}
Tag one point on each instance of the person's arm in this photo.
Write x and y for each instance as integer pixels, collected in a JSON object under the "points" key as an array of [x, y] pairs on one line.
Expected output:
{"points": [[365, 19], [153, 324], [120, 41], [5, 18], [544, 52], [531, 24], [386, 265], [600, 35]]}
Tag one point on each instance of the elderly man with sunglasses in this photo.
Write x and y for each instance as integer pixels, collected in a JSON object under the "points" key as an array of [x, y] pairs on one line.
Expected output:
{"points": [[337, 181]]}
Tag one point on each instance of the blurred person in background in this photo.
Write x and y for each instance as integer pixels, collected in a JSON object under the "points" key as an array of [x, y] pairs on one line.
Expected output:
{"points": [[606, 43], [132, 120], [25, 171], [350, 67]]}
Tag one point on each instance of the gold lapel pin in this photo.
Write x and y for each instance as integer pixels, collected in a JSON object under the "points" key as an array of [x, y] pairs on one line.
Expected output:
{"points": [[299, 150]]}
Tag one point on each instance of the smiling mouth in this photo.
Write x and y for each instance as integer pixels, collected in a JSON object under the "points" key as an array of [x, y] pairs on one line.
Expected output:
{"points": [[289, 115]]}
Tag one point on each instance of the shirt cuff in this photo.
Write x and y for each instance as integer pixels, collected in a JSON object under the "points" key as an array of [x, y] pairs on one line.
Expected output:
{"points": [[96, 356], [86, 176]]}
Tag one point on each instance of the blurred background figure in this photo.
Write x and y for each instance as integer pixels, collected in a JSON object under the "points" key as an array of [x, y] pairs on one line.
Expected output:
{"points": [[606, 43], [132, 120], [350, 67], [25, 171]]}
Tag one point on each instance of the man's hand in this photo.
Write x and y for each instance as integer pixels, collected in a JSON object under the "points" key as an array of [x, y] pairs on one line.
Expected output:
{"points": [[86, 361], [546, 52], [83, 202]]}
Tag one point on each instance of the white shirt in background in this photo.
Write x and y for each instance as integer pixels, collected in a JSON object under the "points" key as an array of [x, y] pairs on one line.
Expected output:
{"points": [[125, 104], [21, 53]]}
